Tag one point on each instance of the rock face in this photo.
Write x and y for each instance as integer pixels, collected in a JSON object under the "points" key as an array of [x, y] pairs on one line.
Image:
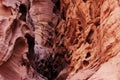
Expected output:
{"points": [[59, 40], [90, 30], [16, 41]]}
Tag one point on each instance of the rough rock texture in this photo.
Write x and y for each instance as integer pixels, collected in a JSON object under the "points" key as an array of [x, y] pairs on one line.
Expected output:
{"points": [[90, 30], [59, 40], [16, 36], [48, 56]]}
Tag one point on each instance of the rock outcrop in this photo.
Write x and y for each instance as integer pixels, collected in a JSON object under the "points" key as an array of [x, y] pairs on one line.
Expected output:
{"points": [[90, 31], [59, 40], [16, 41]]}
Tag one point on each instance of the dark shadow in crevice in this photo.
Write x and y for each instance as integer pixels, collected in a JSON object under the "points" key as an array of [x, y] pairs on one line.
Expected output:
{"points": [[14, 25], [79, 22], [52, 66], [63, 15], [30, 54], [23, 11], [85, 1], [88, 38], [97, 23], [85, 63], [88, 55], [57, 6]]}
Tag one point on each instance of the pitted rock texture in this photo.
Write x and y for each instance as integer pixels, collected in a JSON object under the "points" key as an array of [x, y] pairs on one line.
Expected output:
{"points": [[84, 34], [59, 39], [15, 34], [90, 31]]}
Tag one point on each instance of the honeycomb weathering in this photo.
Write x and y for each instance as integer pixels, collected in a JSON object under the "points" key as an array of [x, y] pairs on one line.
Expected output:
{"points": [[59, 40]]}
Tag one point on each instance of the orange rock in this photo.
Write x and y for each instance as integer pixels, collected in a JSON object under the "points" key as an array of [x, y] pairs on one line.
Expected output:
{"points": [[59, 39]]}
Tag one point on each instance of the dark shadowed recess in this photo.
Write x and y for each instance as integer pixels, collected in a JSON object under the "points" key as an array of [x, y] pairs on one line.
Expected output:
{"points": [[30, 54], [57, 5], [51, 66], [23, 11], [88, 38]]}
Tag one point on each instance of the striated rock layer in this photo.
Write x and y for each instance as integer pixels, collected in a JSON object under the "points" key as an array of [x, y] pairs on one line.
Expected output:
{"points": [[59, 40]]}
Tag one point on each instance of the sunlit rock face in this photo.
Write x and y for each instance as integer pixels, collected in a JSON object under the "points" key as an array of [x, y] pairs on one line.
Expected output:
{"points": [[59, 40], [90, 31]]}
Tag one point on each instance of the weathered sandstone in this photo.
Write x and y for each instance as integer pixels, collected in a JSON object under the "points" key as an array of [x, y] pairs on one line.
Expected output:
{"points": [[59, 40]]}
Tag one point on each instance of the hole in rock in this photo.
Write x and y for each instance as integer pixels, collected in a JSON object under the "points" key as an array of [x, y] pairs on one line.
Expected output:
{"points": [[85, 1], [88, 55], [80, 28], [88, 38], [85, 63], [97, 24], [79, 22], [23, 11]]}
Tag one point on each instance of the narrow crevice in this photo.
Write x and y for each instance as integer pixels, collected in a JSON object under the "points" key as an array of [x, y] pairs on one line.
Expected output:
{"points": [[57, 6], [23, 11], [30, 54], [88, 38], [57, 10], [63, 15], [51, 66]]}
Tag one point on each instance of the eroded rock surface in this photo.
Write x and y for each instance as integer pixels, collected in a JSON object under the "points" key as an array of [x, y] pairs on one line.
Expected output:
{"points": [[90, 30], [59, 40], [16, 33]]}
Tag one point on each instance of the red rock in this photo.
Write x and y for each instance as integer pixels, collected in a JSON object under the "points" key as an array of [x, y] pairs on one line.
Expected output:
{"points": [[59, 39]]}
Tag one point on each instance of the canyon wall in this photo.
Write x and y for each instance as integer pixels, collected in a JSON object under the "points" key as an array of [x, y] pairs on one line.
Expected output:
{"points": [[59, 39]]}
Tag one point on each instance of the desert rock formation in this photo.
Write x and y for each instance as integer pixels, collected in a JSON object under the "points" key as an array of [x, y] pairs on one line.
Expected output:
{"points": [[59, 40]]}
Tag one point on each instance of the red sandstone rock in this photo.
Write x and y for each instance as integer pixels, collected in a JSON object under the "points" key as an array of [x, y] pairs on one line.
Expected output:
{"points": [[91, 34], [14, 64], [59, 39]]}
